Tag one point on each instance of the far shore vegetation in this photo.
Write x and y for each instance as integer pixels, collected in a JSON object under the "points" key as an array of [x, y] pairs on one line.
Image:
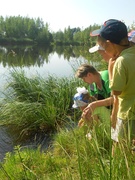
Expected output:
{"points": [[24, 30]]}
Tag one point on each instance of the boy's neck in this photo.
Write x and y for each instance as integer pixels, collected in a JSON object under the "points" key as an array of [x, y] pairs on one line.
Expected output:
{"points": [[99, 82]]}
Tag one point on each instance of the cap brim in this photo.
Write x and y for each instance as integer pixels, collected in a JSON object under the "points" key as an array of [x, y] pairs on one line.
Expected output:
{"points": [[96, 48], [95, 33]]}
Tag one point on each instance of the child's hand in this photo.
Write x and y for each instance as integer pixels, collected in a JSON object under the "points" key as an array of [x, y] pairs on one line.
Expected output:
{"points": [[81, 122], [88, 111]]}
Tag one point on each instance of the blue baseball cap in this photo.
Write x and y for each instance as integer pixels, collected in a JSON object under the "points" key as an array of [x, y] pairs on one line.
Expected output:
{"points": [[113, 30], [79, 101], [78, 98]]}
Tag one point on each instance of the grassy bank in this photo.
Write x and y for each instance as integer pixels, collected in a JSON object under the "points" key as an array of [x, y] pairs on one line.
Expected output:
{"points": [[37, 104], [72, 156]]}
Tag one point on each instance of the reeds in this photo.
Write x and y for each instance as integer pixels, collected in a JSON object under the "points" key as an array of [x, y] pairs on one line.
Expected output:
{"points": [[35, 103]]}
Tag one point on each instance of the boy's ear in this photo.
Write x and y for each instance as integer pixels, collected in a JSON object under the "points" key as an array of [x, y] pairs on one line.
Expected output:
{"points": [[89, 74], [108, 42]]}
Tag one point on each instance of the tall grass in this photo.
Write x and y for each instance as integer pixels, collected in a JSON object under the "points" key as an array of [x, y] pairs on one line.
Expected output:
{"points": [[36, 103], [72, 156]]}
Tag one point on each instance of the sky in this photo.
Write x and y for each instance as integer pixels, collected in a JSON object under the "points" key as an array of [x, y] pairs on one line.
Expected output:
{"points": [[60, 14]]}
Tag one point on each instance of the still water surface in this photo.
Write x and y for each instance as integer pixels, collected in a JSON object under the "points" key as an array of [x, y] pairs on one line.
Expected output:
{"points": [[57, 66]]}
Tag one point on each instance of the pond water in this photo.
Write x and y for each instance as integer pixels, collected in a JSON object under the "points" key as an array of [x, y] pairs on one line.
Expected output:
{"points": [[57, 66], [34, 61], [6, 143]]}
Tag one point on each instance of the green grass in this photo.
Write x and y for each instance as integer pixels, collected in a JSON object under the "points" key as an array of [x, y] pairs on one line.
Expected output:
{"points": [[71, 156], [34, 104], [37, 104]]}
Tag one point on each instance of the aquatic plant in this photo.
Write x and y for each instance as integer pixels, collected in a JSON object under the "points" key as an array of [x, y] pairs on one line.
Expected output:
{"points": [[35, 103]]}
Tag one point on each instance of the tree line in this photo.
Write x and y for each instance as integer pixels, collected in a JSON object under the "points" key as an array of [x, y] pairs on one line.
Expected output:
{"points": [[25, 30]]}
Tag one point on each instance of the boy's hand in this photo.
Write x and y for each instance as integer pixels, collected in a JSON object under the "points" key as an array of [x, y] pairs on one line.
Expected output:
{"points": [[88, 111]]}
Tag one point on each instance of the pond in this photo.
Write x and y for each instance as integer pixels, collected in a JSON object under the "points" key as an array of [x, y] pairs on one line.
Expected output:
{"points": [[58, 61]]}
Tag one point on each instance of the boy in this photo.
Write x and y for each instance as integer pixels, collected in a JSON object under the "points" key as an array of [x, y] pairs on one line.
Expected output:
{"points": [[113, 37], [99, 87]]}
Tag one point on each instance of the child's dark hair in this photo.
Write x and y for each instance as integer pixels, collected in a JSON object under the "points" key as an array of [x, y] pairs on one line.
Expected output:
{"points": [[84, 69], [87, 97]]}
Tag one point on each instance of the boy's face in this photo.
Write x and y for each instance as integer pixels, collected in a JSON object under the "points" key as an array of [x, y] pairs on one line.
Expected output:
{"points": [[104, 55], [108, 46], [88, 78]]}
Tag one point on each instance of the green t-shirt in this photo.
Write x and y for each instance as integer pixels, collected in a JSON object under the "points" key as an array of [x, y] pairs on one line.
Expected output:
{"points": [[105, 92], [124, 81]]}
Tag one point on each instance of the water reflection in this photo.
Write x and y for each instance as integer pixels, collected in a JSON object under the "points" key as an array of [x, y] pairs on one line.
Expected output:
{"points": [[23, 56], [8, 141], [33, 55], [58, 60], [3, 49]]}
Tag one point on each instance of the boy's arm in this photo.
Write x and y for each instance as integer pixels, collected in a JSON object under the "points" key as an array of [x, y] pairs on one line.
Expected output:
{"points": [[115, 108], [87, 112], [114, 112]]}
